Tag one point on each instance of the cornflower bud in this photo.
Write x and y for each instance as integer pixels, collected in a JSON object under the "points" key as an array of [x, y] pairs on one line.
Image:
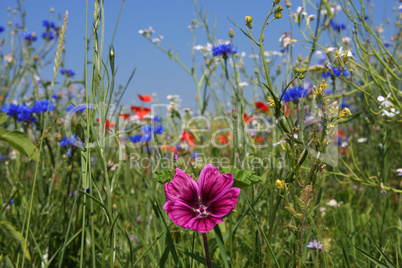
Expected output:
{"points": [[231, 33]]}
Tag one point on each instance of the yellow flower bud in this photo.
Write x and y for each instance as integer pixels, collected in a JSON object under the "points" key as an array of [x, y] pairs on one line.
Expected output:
{"points": [[249, 21]]}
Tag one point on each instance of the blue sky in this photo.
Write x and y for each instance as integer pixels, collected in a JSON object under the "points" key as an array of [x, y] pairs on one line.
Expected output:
{"points": [[155, 71]]}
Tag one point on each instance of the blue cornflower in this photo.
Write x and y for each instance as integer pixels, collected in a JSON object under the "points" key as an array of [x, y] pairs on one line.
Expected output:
{"points": [[147, 129], [2, 158], [48, 35], [365, 18], [80, 107], [68, 73], [1, 29], [223, 50], [21, 112], [48, 24], [195, 155], [136, 138], [30, 37], [41, 106], [387, 44], [335, 72], [157, 118], [11, 202], [159, 130], [294, 94], [72, 141], [337, 27]]}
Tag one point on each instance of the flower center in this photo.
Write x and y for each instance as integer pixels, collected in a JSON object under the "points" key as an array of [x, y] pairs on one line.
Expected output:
{"points": [[202, 211]]}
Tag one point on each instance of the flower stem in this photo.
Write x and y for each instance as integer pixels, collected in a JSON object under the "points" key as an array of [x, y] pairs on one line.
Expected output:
{"points": [[207, 257]]}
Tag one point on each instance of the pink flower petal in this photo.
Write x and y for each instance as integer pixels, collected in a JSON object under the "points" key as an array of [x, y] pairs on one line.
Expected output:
{"points": [[212, 184], [204, 225], [182, 188], [224, 205], [180, 213]]}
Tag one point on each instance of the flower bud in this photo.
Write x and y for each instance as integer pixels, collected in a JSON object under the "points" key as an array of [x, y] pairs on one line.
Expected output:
{"points": [[278, 12], [57, 137], [276, 2], [231, 33], [287, 3], [249, 21]]}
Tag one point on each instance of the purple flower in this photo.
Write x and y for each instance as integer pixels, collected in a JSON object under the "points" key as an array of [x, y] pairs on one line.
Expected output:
{"points": [[176, 156], [314, 245], [200, 206]]}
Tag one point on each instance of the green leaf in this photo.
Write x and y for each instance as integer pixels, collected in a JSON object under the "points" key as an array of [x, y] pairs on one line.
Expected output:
{"points": [[19, 141], [3, 118], [242, 178], [221, 244], [257, 250], [389, 263], [164, 176], [14, 235], [372, 259], [200, 259]]}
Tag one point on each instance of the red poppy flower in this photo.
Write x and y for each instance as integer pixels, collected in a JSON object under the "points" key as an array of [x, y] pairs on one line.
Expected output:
{"points": [[107, 124], [223, 140], [124, 116], [259, 139], [139, 108], [261, 106], [246, 118], [186, 136], [167, 148], [145, 98]]}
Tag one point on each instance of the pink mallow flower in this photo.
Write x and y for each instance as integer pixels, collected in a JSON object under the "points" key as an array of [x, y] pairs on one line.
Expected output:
{"points": [[200, 206]]}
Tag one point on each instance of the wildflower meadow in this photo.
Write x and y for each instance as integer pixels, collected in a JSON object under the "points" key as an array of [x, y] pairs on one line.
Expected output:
{"points": [[284, 150]]}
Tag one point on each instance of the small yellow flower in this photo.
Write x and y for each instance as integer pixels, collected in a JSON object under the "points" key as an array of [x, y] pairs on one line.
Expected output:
{"points": [[280, 184], [321, 88], [271, 102], [345, 111]]}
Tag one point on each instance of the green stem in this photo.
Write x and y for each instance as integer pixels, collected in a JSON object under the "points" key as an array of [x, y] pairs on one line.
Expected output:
{"points": [[207, 257]]}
